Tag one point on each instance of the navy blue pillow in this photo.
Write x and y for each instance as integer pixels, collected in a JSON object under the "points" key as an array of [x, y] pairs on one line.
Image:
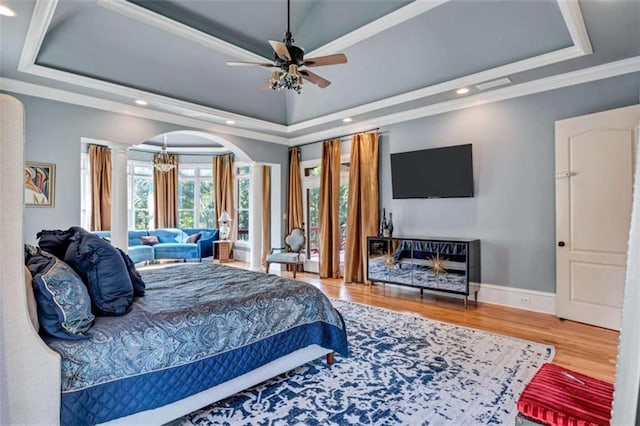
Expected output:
{"points": [[104, 272], [56, 241], [64, 306], [136, 280]]}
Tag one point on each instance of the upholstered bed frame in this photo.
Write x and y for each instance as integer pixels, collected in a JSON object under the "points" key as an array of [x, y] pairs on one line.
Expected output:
{"points": [[30, 370]]}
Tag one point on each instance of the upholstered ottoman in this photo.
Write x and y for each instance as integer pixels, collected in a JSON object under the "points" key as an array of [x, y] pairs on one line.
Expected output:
{"points": [[558, 396]]}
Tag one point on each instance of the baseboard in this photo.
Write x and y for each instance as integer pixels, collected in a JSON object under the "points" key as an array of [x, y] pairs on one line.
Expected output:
{"points": [[530, 300]]}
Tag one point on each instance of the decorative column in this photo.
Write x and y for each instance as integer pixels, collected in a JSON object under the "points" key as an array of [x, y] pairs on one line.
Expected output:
{"points": [[255, 216], [119, 219]]}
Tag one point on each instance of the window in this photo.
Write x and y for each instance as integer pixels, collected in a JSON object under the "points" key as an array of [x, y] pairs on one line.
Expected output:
{"points": [[243, 181], [195, 196], [140, 195], [311, 205]]}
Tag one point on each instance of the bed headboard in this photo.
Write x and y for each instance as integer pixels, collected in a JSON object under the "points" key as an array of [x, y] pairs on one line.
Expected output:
{"points": [[30, 385]]}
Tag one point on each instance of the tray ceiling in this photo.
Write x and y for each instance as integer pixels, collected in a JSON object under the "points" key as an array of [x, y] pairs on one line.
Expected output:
{"points": [[402, 54]]}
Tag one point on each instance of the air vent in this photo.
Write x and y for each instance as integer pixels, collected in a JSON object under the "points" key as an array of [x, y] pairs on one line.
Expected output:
{"points": [[493, 83]]}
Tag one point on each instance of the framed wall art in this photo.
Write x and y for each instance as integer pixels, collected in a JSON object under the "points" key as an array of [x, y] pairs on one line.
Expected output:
{"points": [[39, 184]]}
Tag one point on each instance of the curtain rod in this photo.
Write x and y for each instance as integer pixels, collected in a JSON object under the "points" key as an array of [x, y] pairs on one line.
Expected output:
{"points": [[337, 137]]}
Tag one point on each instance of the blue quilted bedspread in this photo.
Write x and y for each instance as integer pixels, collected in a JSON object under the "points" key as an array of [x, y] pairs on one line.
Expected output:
{"points": [[197, 326]]}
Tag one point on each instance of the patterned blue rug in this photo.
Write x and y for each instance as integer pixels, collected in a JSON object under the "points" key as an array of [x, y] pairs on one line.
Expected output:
{"points": [[402, 370]]}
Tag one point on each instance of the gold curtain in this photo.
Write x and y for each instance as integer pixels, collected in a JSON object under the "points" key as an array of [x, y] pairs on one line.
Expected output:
{"points": [[329, 232], [223, 185], [266, 212], [165, 195], [218, 192], [100, 164], [294, 200], [363, 212]]}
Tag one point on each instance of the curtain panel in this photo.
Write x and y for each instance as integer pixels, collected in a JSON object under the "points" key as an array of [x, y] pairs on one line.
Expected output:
{"points": [[100, 163], [329, 232], [266, 212], [294, 198], [223, 186], [363, 212], [165, 194]]}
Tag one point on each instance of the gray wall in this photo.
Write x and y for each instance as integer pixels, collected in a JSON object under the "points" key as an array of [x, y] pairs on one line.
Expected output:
{"points": [[53, 133], [513, 211]]}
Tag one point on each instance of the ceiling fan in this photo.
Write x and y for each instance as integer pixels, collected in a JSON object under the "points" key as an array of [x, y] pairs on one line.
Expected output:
{"points": [[289, 65]]}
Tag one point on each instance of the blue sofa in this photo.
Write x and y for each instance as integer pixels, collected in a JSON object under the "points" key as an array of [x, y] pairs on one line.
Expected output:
{"points": [[172, 244]]}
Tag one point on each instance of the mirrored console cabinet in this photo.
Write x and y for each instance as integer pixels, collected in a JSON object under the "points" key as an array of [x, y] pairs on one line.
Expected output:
{"points": [[447, 265]]}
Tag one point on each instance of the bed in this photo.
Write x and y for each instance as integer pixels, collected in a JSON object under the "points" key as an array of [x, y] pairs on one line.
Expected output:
{"points": [[201, 332]]}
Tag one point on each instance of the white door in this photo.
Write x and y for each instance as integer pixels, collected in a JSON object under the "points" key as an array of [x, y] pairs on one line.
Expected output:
{"points": [[594, 174]]}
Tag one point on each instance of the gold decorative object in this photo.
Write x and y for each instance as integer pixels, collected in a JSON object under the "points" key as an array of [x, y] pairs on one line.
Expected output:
{"points": [[389, 261], [438, 265]]}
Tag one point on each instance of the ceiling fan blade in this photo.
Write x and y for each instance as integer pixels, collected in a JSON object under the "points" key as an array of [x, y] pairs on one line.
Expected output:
{"points": [[315, 79], [249, 64], [320, 61], [281, 49]]}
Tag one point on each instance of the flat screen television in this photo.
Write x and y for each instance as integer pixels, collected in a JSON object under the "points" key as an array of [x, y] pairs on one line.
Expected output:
{"points": [[433, 173]]}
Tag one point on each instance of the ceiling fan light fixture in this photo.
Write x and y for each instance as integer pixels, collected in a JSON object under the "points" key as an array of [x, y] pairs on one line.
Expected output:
{"points": [[289, 58]]}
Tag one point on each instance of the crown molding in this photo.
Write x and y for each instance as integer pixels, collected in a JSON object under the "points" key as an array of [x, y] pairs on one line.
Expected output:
{"points": [[612, 69], [451, 85], [573, 19], [30, 89], [161, 22], [38, 25], [418, 7], [44, 11], [154, 100], [586, 75]]}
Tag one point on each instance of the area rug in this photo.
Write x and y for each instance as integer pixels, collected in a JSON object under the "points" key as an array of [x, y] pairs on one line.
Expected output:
{"points": [[402, 369]]}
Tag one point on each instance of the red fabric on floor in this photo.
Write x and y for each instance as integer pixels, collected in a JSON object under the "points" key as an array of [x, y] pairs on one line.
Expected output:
{"points": [[562, 397]]}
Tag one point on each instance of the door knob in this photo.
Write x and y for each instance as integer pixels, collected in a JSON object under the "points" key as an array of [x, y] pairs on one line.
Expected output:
{"points": [[560, 243]]}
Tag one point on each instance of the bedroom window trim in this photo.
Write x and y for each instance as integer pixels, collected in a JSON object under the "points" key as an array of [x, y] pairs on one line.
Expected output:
{"points": [[131, 176], [85, 191], [244, 175]]}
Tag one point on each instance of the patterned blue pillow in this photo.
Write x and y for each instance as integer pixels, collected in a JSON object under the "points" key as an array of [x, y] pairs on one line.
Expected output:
{"points": [[64, 306]]}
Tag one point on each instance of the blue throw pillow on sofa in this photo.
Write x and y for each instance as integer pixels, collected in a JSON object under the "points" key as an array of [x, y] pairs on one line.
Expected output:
{"points": [[104, 272], [63, 304]]}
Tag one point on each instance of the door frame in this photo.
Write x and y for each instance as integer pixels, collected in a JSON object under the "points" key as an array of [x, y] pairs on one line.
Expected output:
{"points": [[627, 382]]}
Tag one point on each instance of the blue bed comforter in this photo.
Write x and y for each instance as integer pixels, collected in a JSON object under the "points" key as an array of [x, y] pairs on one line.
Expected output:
{"points": [[198, 326]]}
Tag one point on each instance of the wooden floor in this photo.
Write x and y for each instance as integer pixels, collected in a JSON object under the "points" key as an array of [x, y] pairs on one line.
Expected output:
{"points": [[580, 347]]}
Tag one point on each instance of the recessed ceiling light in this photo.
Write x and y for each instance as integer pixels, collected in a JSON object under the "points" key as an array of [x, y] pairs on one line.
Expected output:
{"points": [[230, 122], [141, 102], [462, 91], [4, 10], [347, 120]]}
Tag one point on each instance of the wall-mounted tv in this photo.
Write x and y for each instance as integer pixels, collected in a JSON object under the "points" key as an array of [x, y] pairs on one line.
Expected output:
{"points": [[433, 173]]}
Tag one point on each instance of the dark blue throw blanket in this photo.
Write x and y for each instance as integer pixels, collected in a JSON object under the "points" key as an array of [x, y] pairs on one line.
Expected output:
{"points": [[198, 326]]}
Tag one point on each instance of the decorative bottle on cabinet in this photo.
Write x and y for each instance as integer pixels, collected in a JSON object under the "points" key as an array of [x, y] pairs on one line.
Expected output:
{"points": [[383, 223], [390, 224]]}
